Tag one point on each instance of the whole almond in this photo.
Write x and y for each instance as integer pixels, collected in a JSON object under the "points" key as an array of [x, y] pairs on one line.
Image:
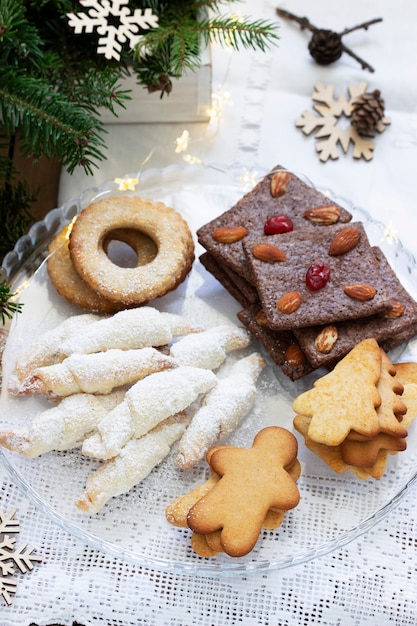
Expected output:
{"points": [[294, 356], [396, 311], [229, 234], [261, 318], [289, 302], [323, 215], [344, 241], [326, 339], [279, 183], [268, 252], [360, 291]]}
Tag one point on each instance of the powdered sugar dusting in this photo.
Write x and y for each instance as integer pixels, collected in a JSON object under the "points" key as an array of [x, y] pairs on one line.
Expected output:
{"points": [[126, 330], [221, 410], [47, 349], [61, 427], [99, 372], [146, 404], [136, 459], [208, 349]]}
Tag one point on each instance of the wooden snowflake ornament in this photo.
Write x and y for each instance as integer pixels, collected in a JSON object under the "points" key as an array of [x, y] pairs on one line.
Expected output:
{"points": [[331, 135], [12, 557], [114, 23]]}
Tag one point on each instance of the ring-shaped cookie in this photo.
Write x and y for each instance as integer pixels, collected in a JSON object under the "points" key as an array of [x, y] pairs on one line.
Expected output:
{"points": [[131, 286], [69, 284]]}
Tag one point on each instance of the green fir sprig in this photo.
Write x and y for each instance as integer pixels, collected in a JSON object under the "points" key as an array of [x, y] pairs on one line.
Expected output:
{"points": [[184, 29], [54, 84], [7, 307]]}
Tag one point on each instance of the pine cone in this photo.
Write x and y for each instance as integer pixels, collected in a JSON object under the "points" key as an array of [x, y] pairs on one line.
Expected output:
{"points": [[164, 85], [367, 112], [325, 46]]}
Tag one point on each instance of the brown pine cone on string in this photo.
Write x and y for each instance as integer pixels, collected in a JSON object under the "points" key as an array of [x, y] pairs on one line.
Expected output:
{"points": [[325, 46], [367, 112]]}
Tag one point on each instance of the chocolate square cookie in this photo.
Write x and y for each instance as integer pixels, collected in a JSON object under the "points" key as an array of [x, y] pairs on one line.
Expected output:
{"points": [[282, 346], [216, 270], [390, 329], [280, 193], [316, 276]]}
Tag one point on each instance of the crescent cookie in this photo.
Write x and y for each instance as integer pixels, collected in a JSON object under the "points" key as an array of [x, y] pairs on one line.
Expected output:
{"points": [[221, 410], [100, 372], [133, 463], [150, 401], [210, 348], [46, 349], [61, 427], [127, 285], [131, 329]]}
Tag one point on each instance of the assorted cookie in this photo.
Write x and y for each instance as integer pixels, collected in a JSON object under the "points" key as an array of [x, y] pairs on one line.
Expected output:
{"points": [[316, 279], [221, 411], [131, 383], [84, 334], [67, 281], [390, 329], [249, 489], [360, 412], [98, 373], [309, 281], [126, 387], [279, 195], [282, 346], [82, 271]]}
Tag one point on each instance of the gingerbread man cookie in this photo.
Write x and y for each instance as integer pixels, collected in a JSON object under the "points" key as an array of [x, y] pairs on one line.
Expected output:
{"points": [[252, 481]]}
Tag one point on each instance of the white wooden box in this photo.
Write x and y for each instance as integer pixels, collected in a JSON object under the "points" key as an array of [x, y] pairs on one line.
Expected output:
{"points": [[189, 101]]}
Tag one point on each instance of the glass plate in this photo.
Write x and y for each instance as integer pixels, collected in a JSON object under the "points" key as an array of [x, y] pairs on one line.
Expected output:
{"points": [[334, 509]]}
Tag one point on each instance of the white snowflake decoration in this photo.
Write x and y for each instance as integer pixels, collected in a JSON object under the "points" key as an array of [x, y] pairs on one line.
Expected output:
{"points": [[22, 557], [98, 17], [330, 134]]}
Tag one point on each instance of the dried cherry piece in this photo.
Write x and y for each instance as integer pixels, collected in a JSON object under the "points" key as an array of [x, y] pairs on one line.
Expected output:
{"points": [[278, 224], [317, 276]]}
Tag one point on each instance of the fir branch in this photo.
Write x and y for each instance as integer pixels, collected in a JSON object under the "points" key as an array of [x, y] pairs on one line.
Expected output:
{"points": [[7, 307], [170, 48], [258, 34], [173, 48], [20, 40], [49, 122], [211, 5], [100, 89]]}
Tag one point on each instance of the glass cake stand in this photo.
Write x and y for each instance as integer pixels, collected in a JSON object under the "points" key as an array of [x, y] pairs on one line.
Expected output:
{"points": [[334, 508]]}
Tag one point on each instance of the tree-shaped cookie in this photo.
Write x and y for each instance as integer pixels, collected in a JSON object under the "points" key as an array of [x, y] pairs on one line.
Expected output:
{"points": [[345, 399], [367, 455], [252, 481], [392, 409], [332, 455]]}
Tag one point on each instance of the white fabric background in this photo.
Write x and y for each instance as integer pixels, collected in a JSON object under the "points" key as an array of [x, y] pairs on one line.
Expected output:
{"points": [[373, 580]]}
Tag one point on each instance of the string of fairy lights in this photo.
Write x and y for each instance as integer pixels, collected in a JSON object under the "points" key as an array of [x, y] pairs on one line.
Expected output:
{"points": [[188, 147]]}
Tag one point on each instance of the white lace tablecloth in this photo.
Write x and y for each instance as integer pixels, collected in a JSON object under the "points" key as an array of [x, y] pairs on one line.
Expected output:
{"points": [[372, 580]]}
